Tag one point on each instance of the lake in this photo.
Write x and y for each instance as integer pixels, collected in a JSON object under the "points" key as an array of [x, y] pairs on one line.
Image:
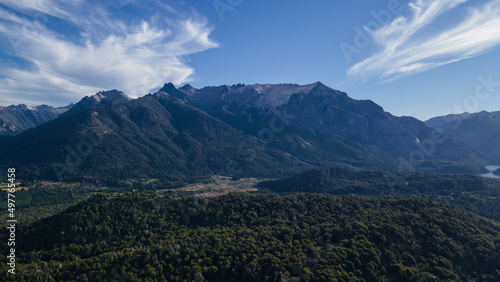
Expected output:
{"points": [[491, 168]]}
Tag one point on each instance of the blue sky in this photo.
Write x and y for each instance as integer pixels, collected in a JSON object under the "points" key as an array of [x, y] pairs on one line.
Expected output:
{"points": [[421, 58]]}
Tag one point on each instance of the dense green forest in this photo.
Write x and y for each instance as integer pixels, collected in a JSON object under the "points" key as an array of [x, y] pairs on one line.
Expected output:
{"points": [[38, 203], [263, 237], [470, 192]]}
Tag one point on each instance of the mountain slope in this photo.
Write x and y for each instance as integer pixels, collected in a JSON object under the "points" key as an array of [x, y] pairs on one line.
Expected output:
{"points": [[480, 130], [16, 119], [153, 137], [323, 126]]}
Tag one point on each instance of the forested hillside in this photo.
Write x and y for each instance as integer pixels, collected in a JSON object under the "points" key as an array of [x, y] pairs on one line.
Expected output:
{"points": [[244, 237], [473, 193], [156, 138]]}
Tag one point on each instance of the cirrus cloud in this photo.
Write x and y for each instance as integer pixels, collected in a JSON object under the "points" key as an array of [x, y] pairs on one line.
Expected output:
{"points": [[415, 43]]}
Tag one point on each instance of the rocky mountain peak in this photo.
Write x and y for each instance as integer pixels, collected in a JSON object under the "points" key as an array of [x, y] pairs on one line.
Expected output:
{"points": [[255, 95], [99, 99], [169, 88], [110, 96], [22, 107]]}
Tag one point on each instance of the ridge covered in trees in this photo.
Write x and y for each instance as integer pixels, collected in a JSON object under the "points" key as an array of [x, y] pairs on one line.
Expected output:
{"points": [[473, 193], [263, 237]]}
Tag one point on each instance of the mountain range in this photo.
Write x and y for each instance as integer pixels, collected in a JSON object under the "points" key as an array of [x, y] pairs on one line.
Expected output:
{"points": [[480, 131], [180, 135], [16, 119], [153, 137], [323, 126]]}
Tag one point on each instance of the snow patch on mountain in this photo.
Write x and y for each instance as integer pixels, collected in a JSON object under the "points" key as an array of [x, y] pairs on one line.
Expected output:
{"points": [[272, 95]]}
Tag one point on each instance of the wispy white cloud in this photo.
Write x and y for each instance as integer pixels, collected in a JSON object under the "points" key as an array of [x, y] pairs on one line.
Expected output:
{"points": [[415, 43], [101, 50]]}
